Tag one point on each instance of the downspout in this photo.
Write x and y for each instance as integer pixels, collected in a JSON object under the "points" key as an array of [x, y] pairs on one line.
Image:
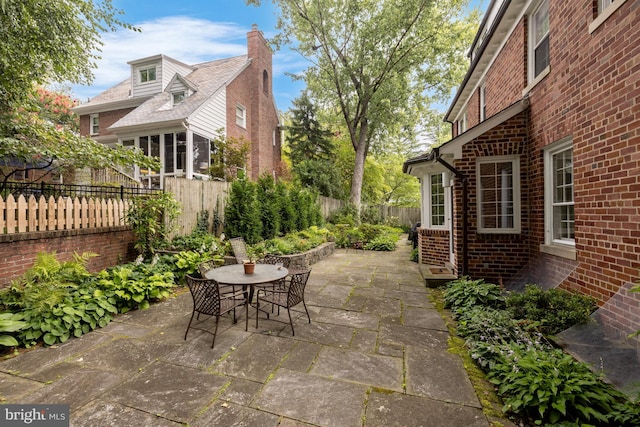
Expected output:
{"points": [[465, 210]]}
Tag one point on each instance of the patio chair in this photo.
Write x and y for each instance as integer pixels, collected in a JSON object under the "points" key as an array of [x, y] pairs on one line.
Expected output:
{"points": [[208, 300], [206, 266], [239, 248], [290, 296]]}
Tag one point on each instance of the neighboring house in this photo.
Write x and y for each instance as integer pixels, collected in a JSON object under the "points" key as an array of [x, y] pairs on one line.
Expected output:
{"points": [[173, 111], [541, 180]]}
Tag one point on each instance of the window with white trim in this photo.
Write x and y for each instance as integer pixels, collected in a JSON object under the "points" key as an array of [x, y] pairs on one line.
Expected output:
{"points": [[462, 123], [498, 194], [559, 204], [94, 124], [241, 116], [539, 40], [483, 102], [147, 74], [437, 202], [178, 97], [603, 4]]}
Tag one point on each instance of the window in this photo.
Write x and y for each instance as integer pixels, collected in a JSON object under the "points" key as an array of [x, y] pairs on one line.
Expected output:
{"points": [[175, 151], [241, 119], [483, 102], [94, 123], [147, 74], [201, 154], [539, 39], [462, 123], [498, 194], [605, 9], [265, 82], [559, 213], [177, 97], [603, 4], [437, 202]]}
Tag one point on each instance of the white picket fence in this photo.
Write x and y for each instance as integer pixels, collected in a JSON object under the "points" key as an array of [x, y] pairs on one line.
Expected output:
{"points": [[33, 214]]}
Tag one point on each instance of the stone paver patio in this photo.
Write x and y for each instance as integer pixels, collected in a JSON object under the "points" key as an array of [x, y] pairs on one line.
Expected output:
{"points": [[375, 354]]}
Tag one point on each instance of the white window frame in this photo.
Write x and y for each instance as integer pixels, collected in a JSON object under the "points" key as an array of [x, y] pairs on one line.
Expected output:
{"points": [[483, 102], [94, 124], [179, 95], [561, 146], [515, 167], [142, 71], [533, 45], [462, 123], [606, 8], [241, 116], [445, 205]]}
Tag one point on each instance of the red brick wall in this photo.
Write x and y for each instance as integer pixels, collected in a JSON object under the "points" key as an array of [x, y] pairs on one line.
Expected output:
{"points": [[248, 90], [506, 79], [105, 119], [591, 95], [494, 257], [18, 252], [434, 246]]}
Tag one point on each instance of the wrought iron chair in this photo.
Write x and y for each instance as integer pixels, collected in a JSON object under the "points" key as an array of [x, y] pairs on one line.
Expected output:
{"points": [[239, 248], [208, 300], [206, 266], [290, 296]]}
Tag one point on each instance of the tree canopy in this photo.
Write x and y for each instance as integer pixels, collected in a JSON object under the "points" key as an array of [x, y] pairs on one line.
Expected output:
{"points": [[50, 41], [380, 63], [45, 42]]}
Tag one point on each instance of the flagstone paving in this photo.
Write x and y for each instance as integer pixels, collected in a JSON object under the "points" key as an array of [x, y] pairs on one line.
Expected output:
{"points": [[375, 354]]}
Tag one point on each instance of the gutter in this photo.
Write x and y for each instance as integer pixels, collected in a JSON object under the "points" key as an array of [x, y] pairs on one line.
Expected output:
{"points": [[435, 154]]}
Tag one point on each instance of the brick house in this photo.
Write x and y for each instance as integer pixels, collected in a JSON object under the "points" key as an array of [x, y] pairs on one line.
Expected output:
{"points": [[540, 182], [173, 111]]}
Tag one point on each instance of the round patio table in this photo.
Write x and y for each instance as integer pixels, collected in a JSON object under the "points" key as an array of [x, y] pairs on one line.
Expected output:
{"points": [[264, 274]]}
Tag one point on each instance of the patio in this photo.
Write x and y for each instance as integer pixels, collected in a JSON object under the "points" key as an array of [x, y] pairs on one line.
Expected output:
{"points": [[375, 354]]}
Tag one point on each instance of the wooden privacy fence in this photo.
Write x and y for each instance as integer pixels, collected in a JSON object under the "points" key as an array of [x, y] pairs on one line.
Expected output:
{"points": [[195, 196], [64, 213]]}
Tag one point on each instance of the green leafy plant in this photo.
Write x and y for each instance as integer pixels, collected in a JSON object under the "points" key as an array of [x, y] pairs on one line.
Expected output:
{"points": [[414, 255], [134, 286], [152, 218], [187, 262], [555, 310], [10, 322], [382, 243], [551, 386], [465, 293]]}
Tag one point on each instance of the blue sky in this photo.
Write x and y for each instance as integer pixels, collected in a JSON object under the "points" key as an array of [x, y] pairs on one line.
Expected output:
{"points": [[193, 31]]}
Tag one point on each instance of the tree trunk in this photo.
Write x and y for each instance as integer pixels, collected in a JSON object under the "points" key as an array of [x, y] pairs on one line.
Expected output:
{"points": [[358, 168]]}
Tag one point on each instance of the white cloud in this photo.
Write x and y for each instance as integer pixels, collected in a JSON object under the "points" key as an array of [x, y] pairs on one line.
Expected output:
{"points": [[187, 39]]}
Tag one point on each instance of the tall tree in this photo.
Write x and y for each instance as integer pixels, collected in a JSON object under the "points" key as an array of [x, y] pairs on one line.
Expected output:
{"points": [[45, 42], [380, 63], [50, 41], [311, 150]]}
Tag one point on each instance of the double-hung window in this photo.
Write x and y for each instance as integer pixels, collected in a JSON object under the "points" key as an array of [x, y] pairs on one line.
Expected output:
{"points": [[498, 194], [483, 102], [94, 124], [241, 116], [559, 204], [539, 39], [437, 202]]}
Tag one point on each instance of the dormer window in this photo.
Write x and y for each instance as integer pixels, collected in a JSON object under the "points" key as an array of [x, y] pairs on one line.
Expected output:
{"points": [[178, 97], [147, 74]]}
